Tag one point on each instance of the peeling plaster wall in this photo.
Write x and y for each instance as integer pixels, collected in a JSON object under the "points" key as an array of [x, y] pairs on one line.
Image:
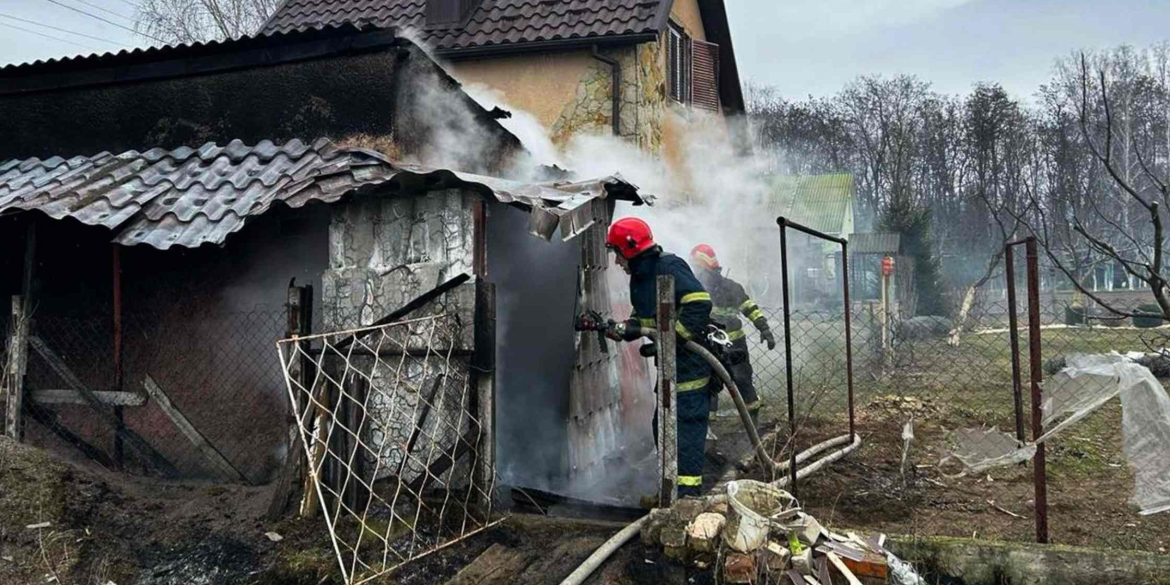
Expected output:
{"points": [[383, 252]]}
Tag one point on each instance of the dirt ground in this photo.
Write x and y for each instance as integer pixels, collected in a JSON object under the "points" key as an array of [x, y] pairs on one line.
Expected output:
{"points": [[1089, 483], [83, 526]]}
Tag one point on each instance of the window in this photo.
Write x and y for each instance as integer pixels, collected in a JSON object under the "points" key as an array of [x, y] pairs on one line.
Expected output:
{"points": [[692, 70], [678, 64]]}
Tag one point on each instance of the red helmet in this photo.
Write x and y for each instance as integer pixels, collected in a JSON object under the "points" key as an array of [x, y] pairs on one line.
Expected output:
{"points": [[629, 236], [704, 256]]}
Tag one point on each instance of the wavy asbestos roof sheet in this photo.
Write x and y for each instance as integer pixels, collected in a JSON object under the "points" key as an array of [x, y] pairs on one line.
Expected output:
{"points": [[189, 197], [491, 23]]}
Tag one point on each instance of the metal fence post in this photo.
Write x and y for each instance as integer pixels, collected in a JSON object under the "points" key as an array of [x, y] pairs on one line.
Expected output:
{"points": [[667, 400], [788, 355], [849, 334], [1014, 336], [1037, 371]]}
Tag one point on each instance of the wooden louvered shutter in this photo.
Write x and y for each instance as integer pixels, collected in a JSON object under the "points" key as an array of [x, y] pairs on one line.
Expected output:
{"points": [[705, 75]]}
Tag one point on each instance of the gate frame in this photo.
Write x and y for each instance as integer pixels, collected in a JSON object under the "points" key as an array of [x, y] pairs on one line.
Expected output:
{"points": [[785, 224]]}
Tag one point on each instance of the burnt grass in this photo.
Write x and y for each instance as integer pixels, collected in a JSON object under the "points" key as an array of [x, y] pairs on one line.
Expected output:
{"points": [[104, 526]]}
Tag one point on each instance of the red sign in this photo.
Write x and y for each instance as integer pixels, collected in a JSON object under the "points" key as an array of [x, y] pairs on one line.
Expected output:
{"points": [[887, 266]]}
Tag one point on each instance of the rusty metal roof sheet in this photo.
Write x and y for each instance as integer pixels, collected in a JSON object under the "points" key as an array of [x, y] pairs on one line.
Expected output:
{"points": [[188, 197], [491, 23]]}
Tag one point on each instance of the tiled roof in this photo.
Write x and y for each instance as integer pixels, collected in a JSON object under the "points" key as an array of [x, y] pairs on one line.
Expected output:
{"points": [[125, 57], [820, 202], [189, 197], [491, 23]]}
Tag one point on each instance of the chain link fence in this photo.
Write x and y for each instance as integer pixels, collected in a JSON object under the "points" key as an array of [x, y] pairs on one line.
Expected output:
{"points": [[919, 384], [192, 398]]}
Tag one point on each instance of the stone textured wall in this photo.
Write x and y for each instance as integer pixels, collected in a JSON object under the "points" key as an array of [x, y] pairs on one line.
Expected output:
{"points": [[383, 252], [643, 98]]}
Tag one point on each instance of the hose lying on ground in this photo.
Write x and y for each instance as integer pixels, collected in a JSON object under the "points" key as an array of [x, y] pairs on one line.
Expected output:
{"points": [[611, 546], [604, 551]]}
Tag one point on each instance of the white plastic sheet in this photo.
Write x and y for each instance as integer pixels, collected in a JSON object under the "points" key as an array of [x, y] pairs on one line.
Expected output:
{"points": [[1087, 383]]}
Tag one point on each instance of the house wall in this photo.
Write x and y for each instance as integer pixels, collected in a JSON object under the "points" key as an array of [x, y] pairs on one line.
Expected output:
{"points": [[397, 94], [686, 14], [538, 83]]}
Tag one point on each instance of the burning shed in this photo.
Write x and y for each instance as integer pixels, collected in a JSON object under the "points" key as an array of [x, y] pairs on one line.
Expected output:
{"points": [[151, 280]]}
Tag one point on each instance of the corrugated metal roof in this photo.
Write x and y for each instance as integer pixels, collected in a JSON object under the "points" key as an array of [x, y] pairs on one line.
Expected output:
{"points": [[821, 202], [492, 22], [189, 197], [875, 243]]}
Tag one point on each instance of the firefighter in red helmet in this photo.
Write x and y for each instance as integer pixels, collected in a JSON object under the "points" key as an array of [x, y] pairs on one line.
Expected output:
{"points": [[638, 255], [731, 301]]}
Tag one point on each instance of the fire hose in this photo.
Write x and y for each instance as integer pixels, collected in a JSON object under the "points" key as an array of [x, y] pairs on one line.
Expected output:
{"points": [[578, 576]]}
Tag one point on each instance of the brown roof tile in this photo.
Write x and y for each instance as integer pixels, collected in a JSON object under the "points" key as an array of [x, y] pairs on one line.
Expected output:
{"points": [[492, 23]]}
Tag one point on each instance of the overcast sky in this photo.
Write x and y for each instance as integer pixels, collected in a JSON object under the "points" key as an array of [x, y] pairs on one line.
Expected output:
{"points": [[804, 47]]}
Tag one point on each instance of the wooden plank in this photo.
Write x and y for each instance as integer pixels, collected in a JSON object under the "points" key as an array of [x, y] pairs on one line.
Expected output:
{"points": [[48, 419], [55, 363], [108, 397], [841, 568], [217, 460], [498, 565]]}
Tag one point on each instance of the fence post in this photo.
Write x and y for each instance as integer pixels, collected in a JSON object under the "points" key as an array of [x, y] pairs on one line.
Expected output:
{"points": [[484, 380], [14, 380], [667, 399], [119, 413], [849, 333], [289, 482], [788, 355], [1014, 337], [1037, 371]]}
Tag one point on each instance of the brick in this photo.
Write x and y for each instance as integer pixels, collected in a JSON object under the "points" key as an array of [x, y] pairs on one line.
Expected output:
{"points": [[652, 530], [776, 557], [739, 568], [675, 536], [802, 563], [703, 533], [689, 508], [719, 508]]}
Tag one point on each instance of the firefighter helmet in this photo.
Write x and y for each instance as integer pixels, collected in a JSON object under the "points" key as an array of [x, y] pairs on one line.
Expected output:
{"points": [[704, 256], [629, 236]]}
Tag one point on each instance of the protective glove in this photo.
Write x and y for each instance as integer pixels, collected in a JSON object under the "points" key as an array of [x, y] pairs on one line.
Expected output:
{"points": [[767, 337], [627, 330], [648, 350]]}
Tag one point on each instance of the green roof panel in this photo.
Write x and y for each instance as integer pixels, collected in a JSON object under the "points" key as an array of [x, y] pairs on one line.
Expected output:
{"points": [[821, 202]]}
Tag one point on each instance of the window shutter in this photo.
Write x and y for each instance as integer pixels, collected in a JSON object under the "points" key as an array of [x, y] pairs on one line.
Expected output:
{"points": [[705, 75]]}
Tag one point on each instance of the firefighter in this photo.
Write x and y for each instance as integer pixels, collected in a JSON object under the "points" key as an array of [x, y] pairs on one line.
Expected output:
{"points": [[731, 301], [644, 261]]}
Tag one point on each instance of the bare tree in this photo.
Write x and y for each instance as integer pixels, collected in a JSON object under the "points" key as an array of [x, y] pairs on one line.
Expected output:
{"points": [[1125, 224], [190, 21]]}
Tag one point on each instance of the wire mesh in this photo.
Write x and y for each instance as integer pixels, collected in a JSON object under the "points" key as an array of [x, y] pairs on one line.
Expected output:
{"points": [[198, 398], [395, 443]]}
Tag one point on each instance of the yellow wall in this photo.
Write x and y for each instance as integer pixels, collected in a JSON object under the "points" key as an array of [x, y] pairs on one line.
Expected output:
{"points": [[538, 83], [686, 14]]}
